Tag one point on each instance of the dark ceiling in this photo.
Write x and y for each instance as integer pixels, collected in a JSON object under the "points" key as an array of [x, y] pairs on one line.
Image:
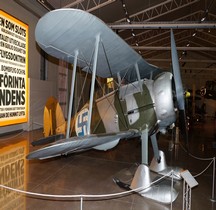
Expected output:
{"points": [[195, 36]]}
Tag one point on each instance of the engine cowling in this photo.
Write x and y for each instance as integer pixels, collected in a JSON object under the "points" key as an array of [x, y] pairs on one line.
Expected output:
{"points": [[164, 104]]}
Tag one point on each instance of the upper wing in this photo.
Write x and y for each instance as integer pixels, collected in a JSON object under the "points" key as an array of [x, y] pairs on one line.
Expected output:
{"points": [[77, 144], [61, 32]]}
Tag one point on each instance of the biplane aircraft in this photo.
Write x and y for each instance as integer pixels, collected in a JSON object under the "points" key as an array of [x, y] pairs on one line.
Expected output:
{"points": [[143, 106]]}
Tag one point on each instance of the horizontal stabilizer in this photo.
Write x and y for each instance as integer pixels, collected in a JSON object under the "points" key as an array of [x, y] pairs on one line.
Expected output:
{"points": [[48, 140], [78, 144]]}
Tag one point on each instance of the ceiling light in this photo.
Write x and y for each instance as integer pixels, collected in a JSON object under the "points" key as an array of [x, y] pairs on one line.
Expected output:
{"points": [[194, 34], [203, 19], [128, 20]]}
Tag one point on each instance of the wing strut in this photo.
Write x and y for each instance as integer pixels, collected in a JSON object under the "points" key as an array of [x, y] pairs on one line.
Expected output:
{"points": [[119, 83], [151, 75], [138, 77], [72, 93], [97, 41], [119, 79], [144, 145], [155, 147]]}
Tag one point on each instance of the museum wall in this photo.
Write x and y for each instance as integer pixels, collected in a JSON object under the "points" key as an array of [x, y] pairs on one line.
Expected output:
{"points": [[39, 90]]}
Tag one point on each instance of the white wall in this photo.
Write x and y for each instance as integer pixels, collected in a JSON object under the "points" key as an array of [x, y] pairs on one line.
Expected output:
{"points": [[38, 90]]}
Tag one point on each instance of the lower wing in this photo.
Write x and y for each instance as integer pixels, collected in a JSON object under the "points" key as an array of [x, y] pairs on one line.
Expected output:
{"points": [[77, 144]]}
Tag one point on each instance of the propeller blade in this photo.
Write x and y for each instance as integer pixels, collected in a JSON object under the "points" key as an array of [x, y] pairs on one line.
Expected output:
{"points": [[179, 89], [176, 74]]}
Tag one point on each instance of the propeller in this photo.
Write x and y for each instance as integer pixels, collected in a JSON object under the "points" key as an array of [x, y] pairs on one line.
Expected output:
{"points": [[179, 90]]}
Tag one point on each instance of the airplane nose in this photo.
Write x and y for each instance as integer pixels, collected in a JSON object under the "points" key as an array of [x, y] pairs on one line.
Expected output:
{"points": [[164, 105]]}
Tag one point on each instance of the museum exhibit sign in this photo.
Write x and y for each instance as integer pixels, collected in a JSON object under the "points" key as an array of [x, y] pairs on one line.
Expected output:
{"points": [[13, 70]]}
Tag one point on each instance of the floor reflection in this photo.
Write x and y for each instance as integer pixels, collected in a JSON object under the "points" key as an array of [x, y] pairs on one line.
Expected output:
{"points": [[13, 173], [92, 173]]}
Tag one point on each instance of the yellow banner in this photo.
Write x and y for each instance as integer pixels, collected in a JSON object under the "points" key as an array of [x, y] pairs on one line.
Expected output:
{"points": [[13, 70]]}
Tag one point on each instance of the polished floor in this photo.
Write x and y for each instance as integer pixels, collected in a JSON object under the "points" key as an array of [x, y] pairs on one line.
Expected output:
{"points": [[92, 173]]}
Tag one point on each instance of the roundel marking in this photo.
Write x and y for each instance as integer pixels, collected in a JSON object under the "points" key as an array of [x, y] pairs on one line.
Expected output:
{"points": [[81, 122]]}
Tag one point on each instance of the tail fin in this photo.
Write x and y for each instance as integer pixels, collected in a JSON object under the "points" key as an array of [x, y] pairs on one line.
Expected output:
{"points": [[60, 121], [54, 121]]}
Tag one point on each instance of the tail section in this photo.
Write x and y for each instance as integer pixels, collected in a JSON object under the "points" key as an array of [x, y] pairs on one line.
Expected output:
{"points": [[54, 121], [60, 121]]}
